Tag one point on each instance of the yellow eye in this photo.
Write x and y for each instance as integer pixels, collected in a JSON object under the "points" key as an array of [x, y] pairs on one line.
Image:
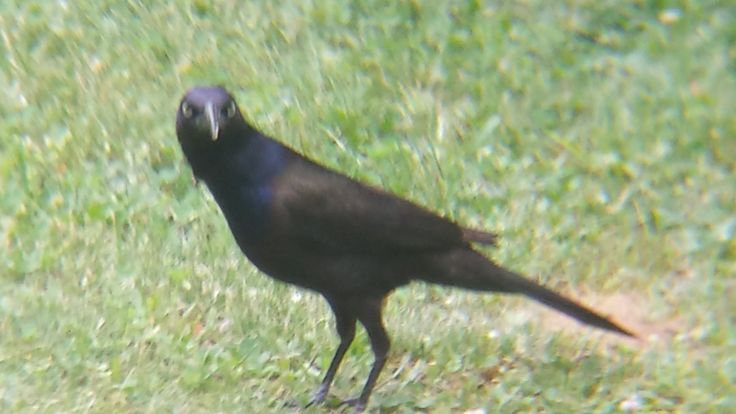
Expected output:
{"points": [[230, 110], [186, 109]]}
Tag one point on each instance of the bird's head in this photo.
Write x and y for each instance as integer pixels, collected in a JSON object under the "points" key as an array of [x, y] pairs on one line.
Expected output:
{"points": [[205, 114]]}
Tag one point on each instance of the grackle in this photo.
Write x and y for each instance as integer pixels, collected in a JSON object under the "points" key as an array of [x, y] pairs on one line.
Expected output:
{"points": [[308, 225]]}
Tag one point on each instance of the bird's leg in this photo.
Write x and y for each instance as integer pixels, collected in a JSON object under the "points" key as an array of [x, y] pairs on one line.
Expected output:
{"points": [[345, 323], [370, 317]]}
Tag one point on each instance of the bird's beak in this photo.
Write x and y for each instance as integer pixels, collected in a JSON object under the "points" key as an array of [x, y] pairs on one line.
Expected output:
{"points": [[209, 113]]}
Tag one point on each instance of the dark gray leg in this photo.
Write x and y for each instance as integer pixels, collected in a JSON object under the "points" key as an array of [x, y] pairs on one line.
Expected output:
{"points": [[370, 317], [345, 323]]}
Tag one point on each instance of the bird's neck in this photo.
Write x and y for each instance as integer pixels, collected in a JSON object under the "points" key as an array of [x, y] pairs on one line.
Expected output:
{"points": [[246, 158], [242, 183]]}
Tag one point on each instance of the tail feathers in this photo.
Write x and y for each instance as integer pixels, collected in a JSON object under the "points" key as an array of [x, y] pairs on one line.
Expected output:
{"points": [[476, 272], [564, 305]]}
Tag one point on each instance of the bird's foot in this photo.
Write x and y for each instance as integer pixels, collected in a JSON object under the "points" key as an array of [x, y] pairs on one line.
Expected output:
{"points": [[357, 404], [319, 395]]}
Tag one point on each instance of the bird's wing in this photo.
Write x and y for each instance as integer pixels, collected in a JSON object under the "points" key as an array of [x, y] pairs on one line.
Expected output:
{"points": [[333, 212]]}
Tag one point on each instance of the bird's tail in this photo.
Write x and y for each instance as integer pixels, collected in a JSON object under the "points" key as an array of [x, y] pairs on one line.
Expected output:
{"points": [[471, 270]]}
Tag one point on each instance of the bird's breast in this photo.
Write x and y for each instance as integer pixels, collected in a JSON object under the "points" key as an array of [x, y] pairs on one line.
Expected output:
{"points": [[246, 209]]}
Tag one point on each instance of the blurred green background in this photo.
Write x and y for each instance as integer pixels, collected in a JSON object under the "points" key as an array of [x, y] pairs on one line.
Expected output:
{"points": [[598, 137]]}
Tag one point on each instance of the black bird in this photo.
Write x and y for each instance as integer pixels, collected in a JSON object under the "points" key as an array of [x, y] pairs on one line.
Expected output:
{"points": [[305, 224]]}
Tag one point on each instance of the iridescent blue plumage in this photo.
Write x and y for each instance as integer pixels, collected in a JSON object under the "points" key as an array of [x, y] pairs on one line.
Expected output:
{"points": [[246, 194]]}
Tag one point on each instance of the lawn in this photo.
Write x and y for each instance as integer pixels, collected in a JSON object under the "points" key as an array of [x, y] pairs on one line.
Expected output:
{"points": [[597, 137]]}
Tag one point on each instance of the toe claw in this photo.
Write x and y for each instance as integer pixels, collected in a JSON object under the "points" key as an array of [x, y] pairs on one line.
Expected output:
{"points": [[356, 403], [319, 396]]}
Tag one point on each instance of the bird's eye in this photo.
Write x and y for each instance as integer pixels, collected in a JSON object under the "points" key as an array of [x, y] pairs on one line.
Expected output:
{"points": [[229, 110], [186, 109]]}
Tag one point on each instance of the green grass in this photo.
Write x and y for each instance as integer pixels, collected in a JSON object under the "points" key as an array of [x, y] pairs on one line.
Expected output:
{"points": [[598, 137]]}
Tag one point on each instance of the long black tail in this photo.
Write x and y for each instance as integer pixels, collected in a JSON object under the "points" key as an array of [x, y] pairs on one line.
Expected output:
{"points": [[471, 270]]}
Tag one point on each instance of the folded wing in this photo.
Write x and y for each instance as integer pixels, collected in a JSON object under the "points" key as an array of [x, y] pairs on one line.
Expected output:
{"points": [[334, 213]]}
